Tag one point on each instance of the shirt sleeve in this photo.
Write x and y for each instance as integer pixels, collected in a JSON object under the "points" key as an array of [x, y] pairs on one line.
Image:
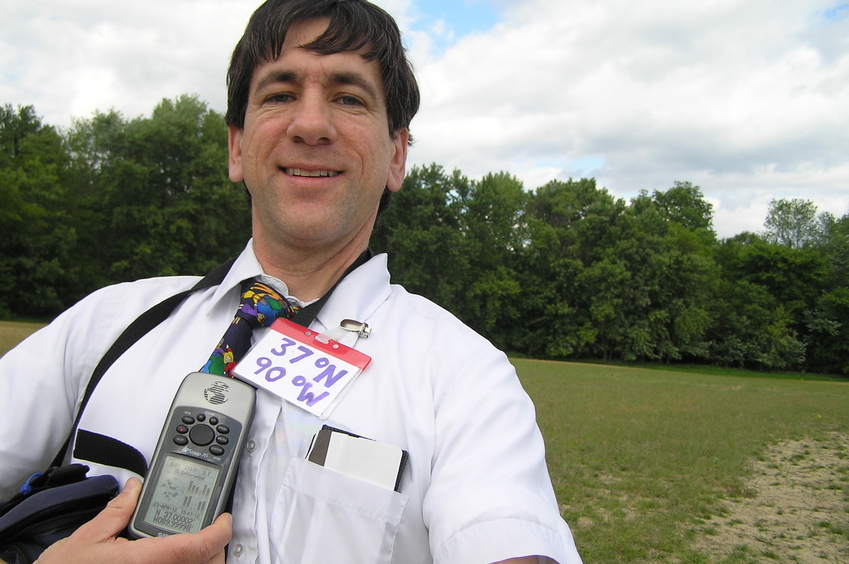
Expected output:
{"points": [[491, 496], [43, 379], [40, 382]]}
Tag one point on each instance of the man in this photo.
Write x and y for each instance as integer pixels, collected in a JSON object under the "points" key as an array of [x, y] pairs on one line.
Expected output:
{"points": [[320, 99]]}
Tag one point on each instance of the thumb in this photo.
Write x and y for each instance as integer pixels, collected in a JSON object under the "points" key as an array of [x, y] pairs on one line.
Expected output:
{"points": [[115, 516], [206, 546]]}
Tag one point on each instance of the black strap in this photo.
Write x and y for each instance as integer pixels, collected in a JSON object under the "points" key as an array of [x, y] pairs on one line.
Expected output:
{"points": [[101, 449], [142, 325], [112, 452]]}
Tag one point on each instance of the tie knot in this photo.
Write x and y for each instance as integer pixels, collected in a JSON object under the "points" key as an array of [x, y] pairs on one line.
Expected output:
{"points": [[261, 305]]}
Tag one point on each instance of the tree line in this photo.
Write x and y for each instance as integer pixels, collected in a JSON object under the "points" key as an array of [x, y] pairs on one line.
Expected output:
{"points": [[566, 271]]}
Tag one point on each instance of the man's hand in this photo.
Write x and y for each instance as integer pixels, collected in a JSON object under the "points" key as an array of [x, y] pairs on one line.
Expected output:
{"points": [[96, 542]]}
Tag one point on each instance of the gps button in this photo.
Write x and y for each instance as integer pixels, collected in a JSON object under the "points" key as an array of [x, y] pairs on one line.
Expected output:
{"points": [[202, 435]]}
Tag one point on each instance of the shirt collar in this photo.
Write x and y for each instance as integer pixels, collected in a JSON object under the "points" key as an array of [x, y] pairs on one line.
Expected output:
{"points": [[356, 297]]}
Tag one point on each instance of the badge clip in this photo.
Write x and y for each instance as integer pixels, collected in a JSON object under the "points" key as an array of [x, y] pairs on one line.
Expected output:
{"points": [[361, 329]]}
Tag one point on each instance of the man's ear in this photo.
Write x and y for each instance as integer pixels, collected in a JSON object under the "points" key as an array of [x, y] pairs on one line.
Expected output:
{"points": [[397, 161], [234, 144]]}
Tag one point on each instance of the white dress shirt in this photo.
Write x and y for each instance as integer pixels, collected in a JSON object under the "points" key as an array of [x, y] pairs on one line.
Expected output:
{"points": [[475, 489]]}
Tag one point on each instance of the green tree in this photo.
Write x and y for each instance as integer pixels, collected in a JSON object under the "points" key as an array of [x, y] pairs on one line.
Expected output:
{"points": [[159, 191], [762, 299], [828, 328], [15, 127], [570, 226], [827, 322], [752, 330], [421, 232], [35, 239], [492, 223], [794, 276], [685, 204], [112, 200], [673, 276], [792, 223], [567, 270], [620, 282], [835, 249]]}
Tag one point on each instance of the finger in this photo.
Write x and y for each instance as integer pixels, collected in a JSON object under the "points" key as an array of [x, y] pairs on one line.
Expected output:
{"points": [[114, 517], [217, 559], [216, 536], [204, 546]]}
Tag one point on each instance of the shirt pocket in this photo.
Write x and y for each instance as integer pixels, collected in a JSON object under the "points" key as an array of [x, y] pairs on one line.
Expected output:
{"points": [[322, 516]]}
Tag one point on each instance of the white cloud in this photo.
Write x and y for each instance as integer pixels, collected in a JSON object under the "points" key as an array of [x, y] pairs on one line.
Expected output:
{"points": [[71, 58], [747, 98], [727, 94], [748, 217]]}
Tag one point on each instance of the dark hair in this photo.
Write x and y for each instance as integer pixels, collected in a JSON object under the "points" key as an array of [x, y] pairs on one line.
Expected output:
{"points": [[354, 25]]}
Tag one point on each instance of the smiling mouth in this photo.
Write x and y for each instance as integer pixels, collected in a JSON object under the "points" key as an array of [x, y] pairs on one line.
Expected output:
{"points": [[310, 173]]}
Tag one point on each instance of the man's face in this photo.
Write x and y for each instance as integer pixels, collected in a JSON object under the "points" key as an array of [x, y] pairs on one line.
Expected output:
{"points": [[315, 151]]}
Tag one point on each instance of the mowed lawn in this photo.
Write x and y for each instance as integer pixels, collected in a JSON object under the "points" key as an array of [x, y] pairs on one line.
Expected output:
{"points": [[640, 458], [12, 333]]}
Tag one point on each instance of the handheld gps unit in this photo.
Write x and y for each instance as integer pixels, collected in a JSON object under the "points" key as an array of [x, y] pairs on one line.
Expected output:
{"points": [[194, 465]]}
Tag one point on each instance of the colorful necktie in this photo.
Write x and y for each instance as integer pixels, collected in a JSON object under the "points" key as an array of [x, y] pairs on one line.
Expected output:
{"points": [[260, 306]]}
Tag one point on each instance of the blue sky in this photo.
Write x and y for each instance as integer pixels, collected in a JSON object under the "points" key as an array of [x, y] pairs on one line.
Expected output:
{"points": [[837, 12], [459, 18]]}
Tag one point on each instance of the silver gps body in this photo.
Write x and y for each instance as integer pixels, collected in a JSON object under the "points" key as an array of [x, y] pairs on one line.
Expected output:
{"points": [[196, 459]]}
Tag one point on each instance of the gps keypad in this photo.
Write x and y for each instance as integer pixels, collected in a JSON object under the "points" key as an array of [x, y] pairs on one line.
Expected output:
{"points": [[194, 428]]}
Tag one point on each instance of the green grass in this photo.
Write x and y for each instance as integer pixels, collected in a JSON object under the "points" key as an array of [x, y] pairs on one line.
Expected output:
{"points": [[13, 332], [725, 371], [640, 458]]}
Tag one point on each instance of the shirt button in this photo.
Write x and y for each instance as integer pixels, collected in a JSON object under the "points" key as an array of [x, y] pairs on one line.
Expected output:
{"points": [[238, 550], [251, 446]]}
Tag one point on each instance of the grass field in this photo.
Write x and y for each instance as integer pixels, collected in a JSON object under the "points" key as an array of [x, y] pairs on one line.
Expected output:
{"points": [[12, 333], [641, 459]]}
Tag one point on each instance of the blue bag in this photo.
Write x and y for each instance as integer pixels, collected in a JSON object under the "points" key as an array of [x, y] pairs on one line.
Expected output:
{"points": [[50, 507]]}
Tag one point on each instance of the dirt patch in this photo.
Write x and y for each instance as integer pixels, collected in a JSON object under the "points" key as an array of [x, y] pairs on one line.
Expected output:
{"points": [[795, 508]]}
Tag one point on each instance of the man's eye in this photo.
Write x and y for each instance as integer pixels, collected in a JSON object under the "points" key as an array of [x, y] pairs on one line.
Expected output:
{"points": [[279, 98], [350, 101]]}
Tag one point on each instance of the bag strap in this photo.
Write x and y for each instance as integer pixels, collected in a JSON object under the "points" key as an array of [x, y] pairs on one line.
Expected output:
{"points": [[111, 452], [142, 325]]}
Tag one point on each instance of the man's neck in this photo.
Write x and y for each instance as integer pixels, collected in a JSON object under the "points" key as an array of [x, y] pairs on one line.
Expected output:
{"points": [[308, 273]]}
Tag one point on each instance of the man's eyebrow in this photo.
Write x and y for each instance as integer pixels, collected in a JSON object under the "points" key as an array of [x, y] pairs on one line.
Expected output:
{"points": [[355, 79], [276, 77], [338, 78]]}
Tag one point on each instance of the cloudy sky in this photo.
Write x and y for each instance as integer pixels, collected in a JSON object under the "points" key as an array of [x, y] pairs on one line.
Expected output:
{"points": [[748, 99]]}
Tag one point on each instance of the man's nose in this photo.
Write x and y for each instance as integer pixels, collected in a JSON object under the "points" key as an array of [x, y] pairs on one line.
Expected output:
{"points": [[312, 122]]}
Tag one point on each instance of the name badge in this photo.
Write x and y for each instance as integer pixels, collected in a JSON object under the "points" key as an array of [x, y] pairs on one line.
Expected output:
{"points": [[302, 367]]}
